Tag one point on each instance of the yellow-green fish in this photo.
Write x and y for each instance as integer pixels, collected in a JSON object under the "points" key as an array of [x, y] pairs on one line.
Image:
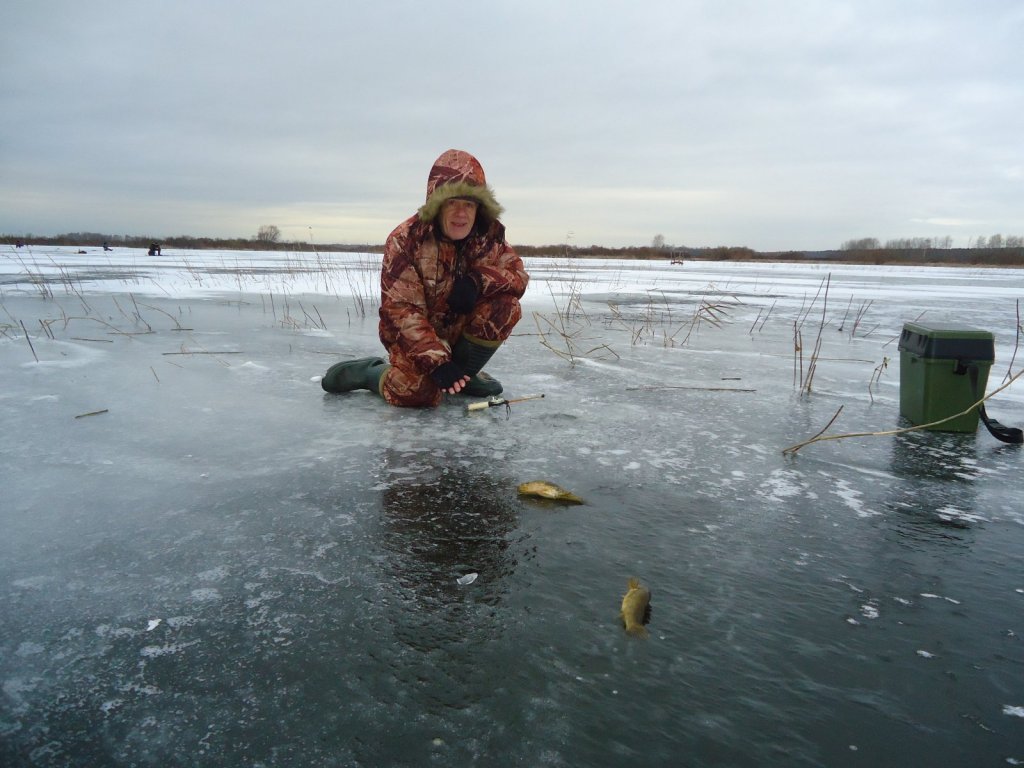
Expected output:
{"points": [[636, 609], [546, 490]]}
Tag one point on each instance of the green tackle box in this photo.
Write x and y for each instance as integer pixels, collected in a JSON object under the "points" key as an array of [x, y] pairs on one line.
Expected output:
{"points": [[935, 373]]}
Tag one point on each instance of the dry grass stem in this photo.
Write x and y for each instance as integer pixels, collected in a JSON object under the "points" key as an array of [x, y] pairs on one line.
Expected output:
{"points": [[201, 352], [821, 437], [30, 346], [568, 343], [876, 377], [658, 387], [177, 323], [92, 413], [1016, 345], [806, 380]]}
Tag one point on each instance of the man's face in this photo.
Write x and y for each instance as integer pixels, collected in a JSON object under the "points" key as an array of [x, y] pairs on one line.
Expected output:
{"points": [[457, 217]]}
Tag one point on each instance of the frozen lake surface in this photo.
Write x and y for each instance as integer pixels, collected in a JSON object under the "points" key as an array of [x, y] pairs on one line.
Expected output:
{"points": [[222, 565]]}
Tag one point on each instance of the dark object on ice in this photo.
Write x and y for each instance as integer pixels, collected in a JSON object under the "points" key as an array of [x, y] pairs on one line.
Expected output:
{"points": [[482, 385], [19, 244], [495, 401], [1004, 434], [547, 490], [154, 249], [106, 247], [450, 290], [943, 372], [363, 373], [636, 608], [933, 367]]}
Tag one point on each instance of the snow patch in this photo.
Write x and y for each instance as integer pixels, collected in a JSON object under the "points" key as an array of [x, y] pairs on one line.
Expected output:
{"points": [[205, 595], [153, 651]]}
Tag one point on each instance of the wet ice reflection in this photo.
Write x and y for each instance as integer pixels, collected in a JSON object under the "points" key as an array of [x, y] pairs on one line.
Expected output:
{"points": [[228, 567]]}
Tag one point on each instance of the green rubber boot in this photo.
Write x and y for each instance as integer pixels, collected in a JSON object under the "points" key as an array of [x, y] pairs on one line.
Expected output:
{"points": [[363, 373], [471, 357], [482, 385]]}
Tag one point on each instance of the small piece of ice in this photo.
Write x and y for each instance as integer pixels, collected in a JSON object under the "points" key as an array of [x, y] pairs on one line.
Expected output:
{"points": [[153, 624], [469, 578], [926, 655], [316, 379], [1014, 711]]}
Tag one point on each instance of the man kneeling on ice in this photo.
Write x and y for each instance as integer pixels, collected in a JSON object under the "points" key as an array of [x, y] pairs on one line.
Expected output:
{"points": [[450, 286]]}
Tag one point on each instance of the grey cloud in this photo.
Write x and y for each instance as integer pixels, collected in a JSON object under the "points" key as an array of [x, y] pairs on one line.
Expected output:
{"points": [[816, 122]]}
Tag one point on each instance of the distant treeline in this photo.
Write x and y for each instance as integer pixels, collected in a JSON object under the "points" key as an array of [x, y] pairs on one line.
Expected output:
{"points": [[98, 240], [915, 251]]}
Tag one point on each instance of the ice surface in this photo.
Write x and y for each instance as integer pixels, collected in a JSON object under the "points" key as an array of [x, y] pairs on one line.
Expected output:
{"points": [[225, 566]]}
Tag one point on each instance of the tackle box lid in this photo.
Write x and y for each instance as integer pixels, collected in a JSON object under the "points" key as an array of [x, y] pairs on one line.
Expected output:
{"points": [[950, 341]]}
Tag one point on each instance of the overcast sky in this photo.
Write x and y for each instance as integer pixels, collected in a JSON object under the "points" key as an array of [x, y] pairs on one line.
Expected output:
{"points": [[773, 124]]}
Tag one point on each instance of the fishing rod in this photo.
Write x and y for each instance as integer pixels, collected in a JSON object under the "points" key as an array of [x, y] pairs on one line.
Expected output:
{"points": [[496, 401]]}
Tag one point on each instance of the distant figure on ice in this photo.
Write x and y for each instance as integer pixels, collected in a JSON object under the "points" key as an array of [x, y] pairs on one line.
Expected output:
{"points": [[19, 244], [106, 247], [450, 288], [154, 249]]}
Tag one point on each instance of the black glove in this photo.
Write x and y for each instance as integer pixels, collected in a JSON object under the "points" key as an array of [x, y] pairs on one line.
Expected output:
{"points": [[446, 374], [464, 294]]}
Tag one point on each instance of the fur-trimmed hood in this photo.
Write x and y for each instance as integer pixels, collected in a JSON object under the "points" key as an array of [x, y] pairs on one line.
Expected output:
{"points": [[458, 174]]}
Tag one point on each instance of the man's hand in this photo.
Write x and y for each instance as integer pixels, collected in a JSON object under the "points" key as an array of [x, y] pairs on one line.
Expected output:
{"points": [[449, 378], [458, 386]]}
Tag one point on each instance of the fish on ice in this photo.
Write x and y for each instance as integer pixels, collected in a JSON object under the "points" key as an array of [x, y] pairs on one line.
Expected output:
{"points": [[546, 490], [636, 608]]}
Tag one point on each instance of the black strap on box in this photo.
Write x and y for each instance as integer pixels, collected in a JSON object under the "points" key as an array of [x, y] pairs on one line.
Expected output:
{"points": [[997, 430]]}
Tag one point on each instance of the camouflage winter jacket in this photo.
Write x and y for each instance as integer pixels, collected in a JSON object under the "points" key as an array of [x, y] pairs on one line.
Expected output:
{"points": [[421, 264]]}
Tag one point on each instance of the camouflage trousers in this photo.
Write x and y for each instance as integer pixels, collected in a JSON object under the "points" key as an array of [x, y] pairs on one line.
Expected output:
{"points": [[489, 324]]}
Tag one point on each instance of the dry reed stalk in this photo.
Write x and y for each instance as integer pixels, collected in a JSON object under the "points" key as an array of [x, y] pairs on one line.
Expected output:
{"points": [[113, 329], [821, 437], [568, 349], [859, 318], [177, 323], [876, 377], [798, 354], [138, 313], [812, 367], [92, 413], [1016, 344], [763, 321], [201, 352], [754, 324], [658, 387], [842, 323], [29, 340]]}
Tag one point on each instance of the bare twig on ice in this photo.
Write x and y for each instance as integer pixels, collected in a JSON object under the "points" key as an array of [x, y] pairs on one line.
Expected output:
{"points": [[655, 388], [821, 437], [92, 413], [200, 352], [29, 340]]}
